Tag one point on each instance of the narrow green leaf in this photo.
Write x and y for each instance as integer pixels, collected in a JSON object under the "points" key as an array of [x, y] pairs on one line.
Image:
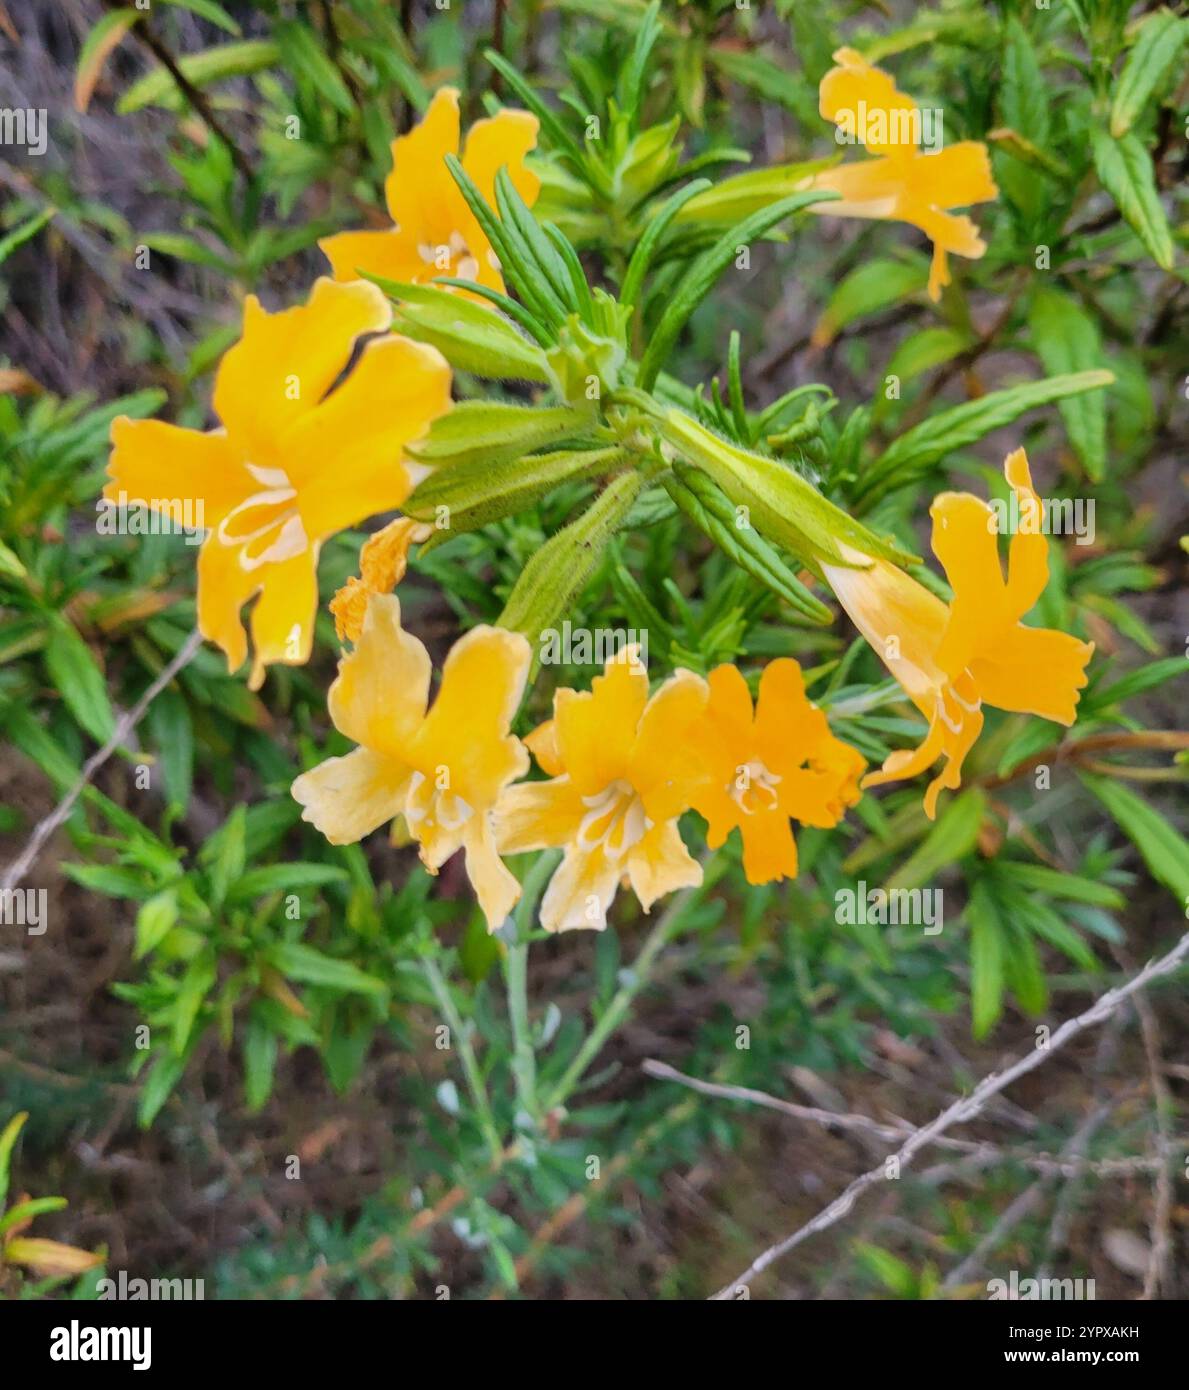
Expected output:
{"points": [[260, 1061], [918, 449], [165, 1075], [157, 88], [871, 287], [1151, 59], [310, 967], [646, 247], [8, 1139], [283, 878], [1039, 878], [1024, 99], [701, 276], [1067, 341], [987, 978], [952, 836], [1135, 683], [155, 920], [78, 679], [196, 984], [711, 511], [1164, 849], [173, 733], [19, 235], [226, 855], [1127, 175]]}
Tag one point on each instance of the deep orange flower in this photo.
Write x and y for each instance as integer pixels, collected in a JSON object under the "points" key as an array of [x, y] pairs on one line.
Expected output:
{"points": [[435, 232], [767, 766], [297, 459]]}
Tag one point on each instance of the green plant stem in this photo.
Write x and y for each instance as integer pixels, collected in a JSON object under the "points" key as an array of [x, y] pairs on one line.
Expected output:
{"points": [[524, 1057], [470, 1063], [666, 926]]}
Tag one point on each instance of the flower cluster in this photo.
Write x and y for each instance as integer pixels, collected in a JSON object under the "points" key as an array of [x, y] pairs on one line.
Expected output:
{"points": [[321, 409], [622, 767]]}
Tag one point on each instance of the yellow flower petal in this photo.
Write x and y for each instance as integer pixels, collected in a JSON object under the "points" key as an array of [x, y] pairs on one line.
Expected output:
{"points": [[596, 731], [665, 765], [957, 176], [422, 196], [956, 724], [786, 722], [285, 363], [152, 461], [501, 141], [466, 733], [392, 254], [580, 891], [1034, 670], [900, 618], [723, 739], [903, 184], [495, 885], [660, 864], [380, 695], [764, 767], [385, 556], [436, 818], [538, 815], [283, 617], [224, 586], [543, 745], [854, 85], [1028, 556], [345, 457], [967, 544], [436, 234], [347, 798], [769, 850], [347, 607]]}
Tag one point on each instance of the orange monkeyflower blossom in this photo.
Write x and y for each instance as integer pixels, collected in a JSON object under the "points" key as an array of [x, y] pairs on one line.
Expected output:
{"points": [[435, 231], [951, 658], [382, 564], [903, 184], [770, 764], [622, 769], [294, 462], [441, 768]]}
